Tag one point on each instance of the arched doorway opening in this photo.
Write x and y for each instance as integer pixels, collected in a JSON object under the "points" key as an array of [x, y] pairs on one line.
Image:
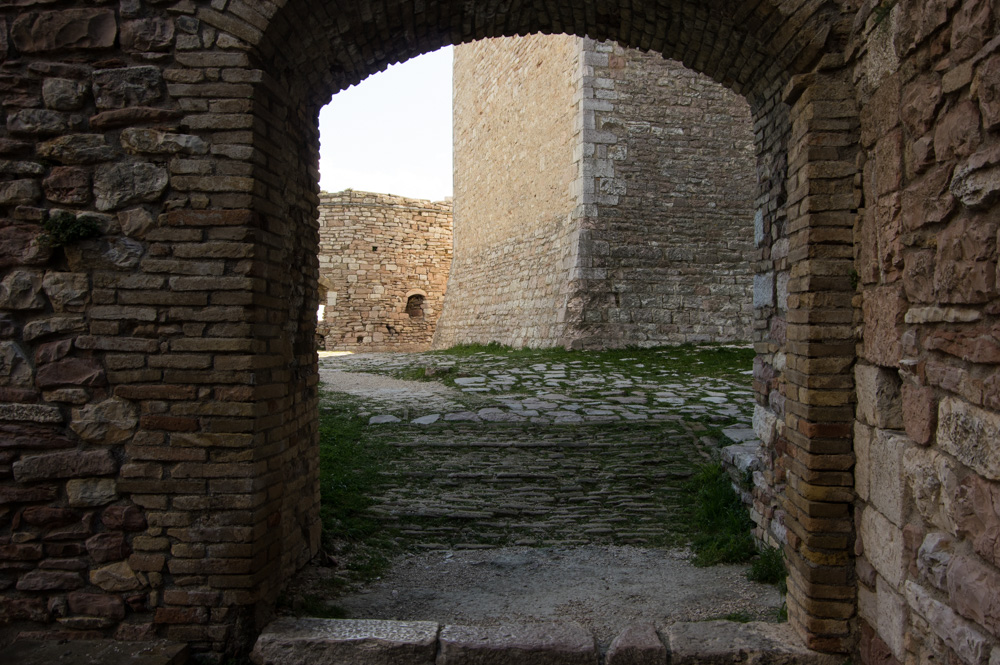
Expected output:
{"points": [[781, 71], [201, 144]]}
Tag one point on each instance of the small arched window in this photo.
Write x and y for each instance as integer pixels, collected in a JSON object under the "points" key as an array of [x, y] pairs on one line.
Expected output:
{"points": [[415, 306]]}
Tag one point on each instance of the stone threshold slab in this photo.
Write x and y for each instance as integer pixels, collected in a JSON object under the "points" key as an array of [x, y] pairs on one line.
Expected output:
{"points": [[290, 641], [94, 652]]}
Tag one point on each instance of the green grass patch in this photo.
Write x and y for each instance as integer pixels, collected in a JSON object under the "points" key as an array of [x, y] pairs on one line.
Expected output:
{"points": [[739, 616], [769, 568], [318, 607], [349, 476], [720, 523]]}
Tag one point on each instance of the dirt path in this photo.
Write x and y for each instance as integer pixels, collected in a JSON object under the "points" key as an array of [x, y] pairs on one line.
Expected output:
{"points": [[604, 588]]}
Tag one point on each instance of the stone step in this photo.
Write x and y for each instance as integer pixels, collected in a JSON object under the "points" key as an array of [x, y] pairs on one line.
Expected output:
{"points": [[95, 652], [289, 641]]}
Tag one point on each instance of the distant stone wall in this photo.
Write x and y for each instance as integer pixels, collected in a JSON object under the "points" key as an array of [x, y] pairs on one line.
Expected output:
{"points": [[515, 145], [667, 246], [383, 263], [613, 191]]}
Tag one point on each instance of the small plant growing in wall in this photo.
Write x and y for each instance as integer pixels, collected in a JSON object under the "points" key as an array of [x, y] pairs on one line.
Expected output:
{"points": [[882, 11], [63, 228]]}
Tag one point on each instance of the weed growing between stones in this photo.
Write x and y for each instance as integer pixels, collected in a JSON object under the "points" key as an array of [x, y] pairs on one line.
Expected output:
{"points": [[64, 228], [349, 477], [769, 568], [720, 523]]}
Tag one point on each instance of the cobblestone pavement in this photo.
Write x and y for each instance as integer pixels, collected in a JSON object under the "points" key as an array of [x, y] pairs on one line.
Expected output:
{"points": [[511, 452]]}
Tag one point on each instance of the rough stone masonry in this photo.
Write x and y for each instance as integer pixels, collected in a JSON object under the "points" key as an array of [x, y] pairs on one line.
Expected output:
{"points": [[383, 267], [613, 189], [158, 242]]}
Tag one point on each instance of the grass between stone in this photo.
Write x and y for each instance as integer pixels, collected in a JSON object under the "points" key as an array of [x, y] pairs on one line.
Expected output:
{"points": [[721, 525], [349, 478]]}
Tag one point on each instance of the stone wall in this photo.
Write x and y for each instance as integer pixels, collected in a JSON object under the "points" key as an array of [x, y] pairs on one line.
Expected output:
{"points": [[515, 238], [652, 188], [927, 475], [669, 184], [383, 263]]}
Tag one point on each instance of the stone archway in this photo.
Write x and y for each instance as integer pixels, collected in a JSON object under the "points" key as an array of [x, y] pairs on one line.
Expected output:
{"points": [[172, 408]]}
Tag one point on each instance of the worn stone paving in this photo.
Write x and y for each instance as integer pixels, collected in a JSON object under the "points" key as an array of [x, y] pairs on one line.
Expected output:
{"points": [[548, 453]]}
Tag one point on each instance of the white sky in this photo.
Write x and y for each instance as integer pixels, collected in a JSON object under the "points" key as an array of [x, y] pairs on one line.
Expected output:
{"points": [[392, 132]]}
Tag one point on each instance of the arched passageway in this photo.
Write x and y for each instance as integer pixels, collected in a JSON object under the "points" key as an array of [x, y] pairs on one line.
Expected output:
{"points": [[783, 61], [162, 384]]}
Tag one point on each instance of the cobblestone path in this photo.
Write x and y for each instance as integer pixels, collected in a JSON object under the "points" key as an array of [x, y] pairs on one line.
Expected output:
{"points": [[547, 453], [461, 487]]}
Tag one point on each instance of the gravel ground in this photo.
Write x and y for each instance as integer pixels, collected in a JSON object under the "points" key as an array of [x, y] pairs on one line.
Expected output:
{"points": [[604, 588]]}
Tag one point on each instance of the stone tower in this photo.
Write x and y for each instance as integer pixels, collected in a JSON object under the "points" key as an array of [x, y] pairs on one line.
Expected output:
{"points": [[612, 190]]}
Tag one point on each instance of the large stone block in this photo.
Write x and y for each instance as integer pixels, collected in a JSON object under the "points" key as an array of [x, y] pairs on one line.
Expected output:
{"points": [[71, 372], [919, 412], [22, 289], [23, 245], [138, 141], [637, 645], [886, 491], [109, 422], [968, 642], [933, 481], [971, 435], [986, 84], [731, 643], [64, 465], [66, 290], [15, 367], [976, 512], [883, 310], [933, 557], [64, 94], [891, 619], [115, 577], [148, 34], [763, 290], [765, 425], [879, 399], [883, 542], [863, 435], [127, 86], [118, 185], [91, 492], [957, 133], [68, 184], [67, 29], [974, 591], [347, 642], [77, 149], [527, 644]]}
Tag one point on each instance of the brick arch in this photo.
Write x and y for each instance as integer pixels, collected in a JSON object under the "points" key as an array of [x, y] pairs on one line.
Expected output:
{"points": [[171, 406]]}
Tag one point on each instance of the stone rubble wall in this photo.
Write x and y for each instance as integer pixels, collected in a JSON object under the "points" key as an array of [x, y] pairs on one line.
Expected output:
{"points": [[927, 430], [515, 238], [375, 251]]}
